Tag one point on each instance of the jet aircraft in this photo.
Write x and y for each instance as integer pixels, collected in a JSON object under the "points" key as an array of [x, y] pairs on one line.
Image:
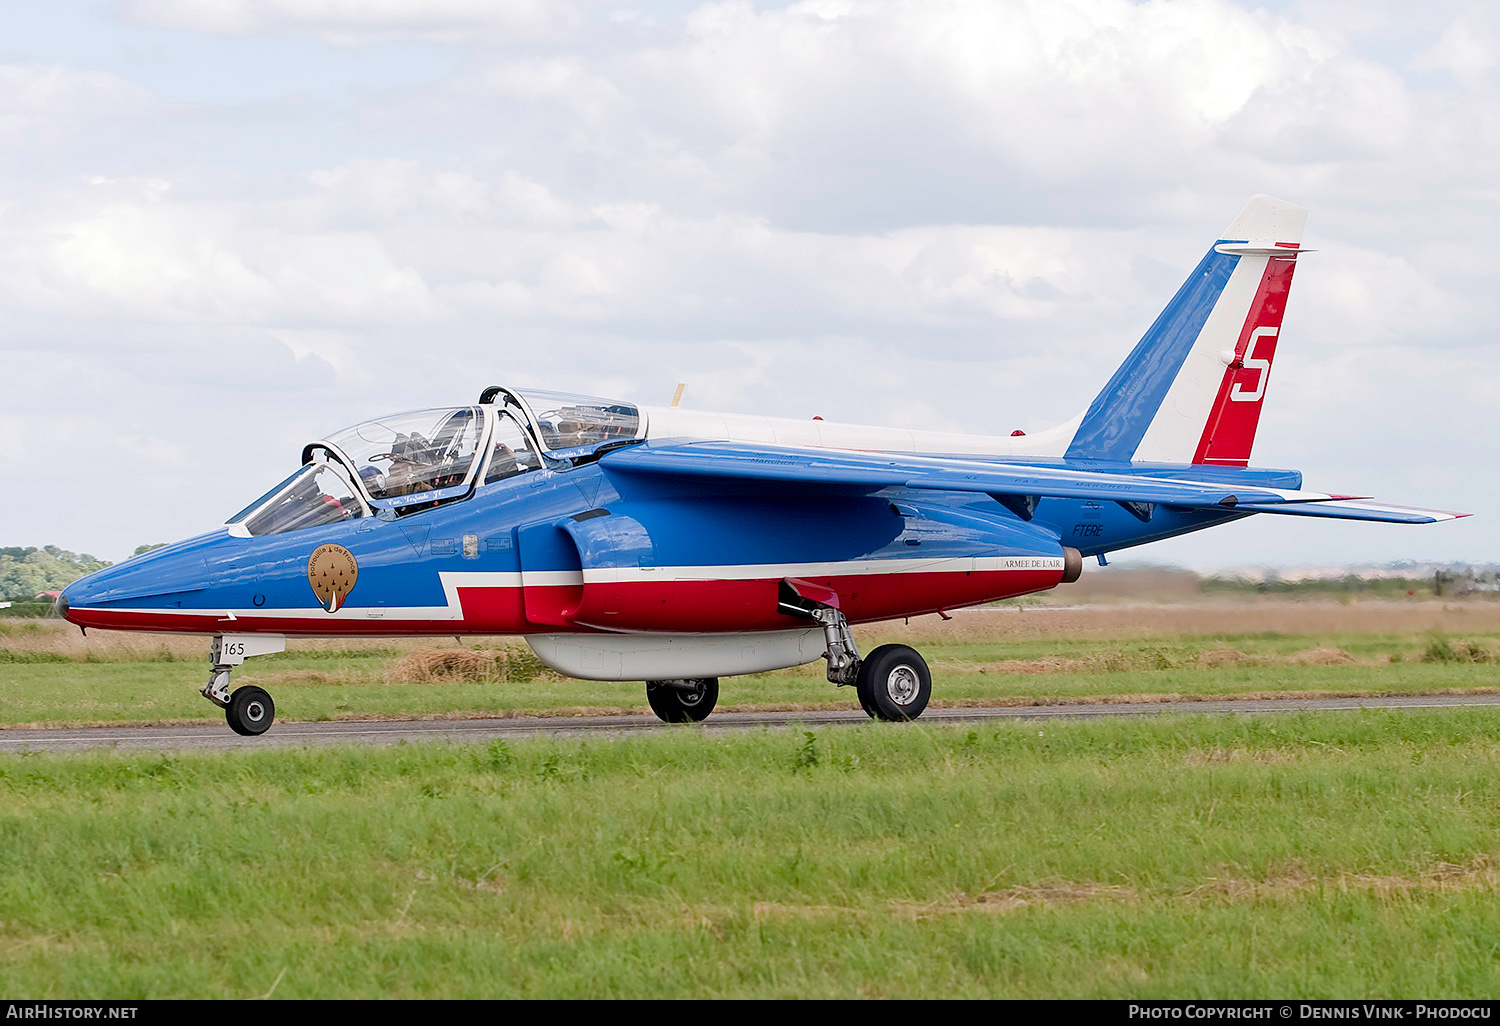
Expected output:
{"points": [[676, 547]]}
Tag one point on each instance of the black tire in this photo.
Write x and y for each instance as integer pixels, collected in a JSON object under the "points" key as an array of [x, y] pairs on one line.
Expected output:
{"points": [[250, 711], [683, 701], [894, 683]]}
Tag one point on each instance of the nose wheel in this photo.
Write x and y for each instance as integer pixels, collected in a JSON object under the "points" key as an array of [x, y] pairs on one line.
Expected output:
{"points": [[250, 711]]}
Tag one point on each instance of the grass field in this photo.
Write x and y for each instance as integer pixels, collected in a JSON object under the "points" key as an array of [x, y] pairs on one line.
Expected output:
{"points": [[50, 674], [1329, 855], [1308, 855]]}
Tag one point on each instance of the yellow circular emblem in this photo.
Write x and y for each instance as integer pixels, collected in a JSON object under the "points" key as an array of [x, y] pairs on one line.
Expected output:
{"points": [[332, 571]]}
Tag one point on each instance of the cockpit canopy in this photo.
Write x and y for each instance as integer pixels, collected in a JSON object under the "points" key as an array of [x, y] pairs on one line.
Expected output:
{"points": [[401, 464], [409, 454], [567, 421]]}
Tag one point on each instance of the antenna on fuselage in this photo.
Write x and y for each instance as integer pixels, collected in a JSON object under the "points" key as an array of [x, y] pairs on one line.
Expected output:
{"points": [[677, 395]]}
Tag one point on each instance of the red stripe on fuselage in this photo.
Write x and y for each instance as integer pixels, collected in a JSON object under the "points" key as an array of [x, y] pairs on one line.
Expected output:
{"points": [[709, 606], [1229, 432], [719, 606]]}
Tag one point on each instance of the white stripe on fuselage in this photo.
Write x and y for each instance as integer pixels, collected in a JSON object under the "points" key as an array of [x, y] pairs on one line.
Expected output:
{"points": [[452, 581], [852, 568]]}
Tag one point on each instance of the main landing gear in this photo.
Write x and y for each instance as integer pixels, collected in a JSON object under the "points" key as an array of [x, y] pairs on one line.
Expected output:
{"points": [[892, 682], [683, 701], [248, 709]]}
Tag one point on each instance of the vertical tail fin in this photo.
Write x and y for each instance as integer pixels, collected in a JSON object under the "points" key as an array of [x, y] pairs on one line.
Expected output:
{"points": [[1191, 390]]}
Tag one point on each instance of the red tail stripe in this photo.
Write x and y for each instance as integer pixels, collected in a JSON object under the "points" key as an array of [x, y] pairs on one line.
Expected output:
{"points": [[1229, 432]]}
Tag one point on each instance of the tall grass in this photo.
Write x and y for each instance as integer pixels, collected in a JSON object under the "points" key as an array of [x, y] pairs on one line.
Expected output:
{"points": [[1012, 625], [339, 679], [1304, 856], [1444, 650]]}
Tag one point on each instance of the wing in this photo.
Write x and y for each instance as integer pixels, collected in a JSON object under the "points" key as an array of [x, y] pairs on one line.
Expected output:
{"points": [[1015, 485]]}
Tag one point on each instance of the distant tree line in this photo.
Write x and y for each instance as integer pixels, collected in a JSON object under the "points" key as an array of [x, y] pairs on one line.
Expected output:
{"points": [[27, 572], [1351, 584]]}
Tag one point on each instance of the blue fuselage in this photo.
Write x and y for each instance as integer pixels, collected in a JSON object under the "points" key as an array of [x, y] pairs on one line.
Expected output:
{"points": [[582, 548]]}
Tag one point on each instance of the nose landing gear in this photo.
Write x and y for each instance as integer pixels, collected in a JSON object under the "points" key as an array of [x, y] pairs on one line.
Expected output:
{"points": [[249, 709]]}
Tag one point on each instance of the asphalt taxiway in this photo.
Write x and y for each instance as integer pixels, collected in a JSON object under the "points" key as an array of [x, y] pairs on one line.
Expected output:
{"points": [[216, 735]]}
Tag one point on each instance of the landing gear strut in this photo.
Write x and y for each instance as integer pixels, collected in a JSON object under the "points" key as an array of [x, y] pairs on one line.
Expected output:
{"points": [[249, 710], [893, 682], [683, 701], [843, 653]]}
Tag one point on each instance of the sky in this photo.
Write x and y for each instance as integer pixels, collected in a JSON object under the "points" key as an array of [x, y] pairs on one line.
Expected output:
{"points": [[228, 227]]}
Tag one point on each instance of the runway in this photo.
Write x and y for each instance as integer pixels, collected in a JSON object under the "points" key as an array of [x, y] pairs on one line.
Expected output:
{"points": [[216, 735]]}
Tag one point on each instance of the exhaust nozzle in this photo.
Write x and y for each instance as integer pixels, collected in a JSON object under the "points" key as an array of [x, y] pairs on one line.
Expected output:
{"points": [[1072, 564]]}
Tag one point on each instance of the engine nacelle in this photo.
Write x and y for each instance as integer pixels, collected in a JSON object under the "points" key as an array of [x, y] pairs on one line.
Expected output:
{"points": [[661, 567]]}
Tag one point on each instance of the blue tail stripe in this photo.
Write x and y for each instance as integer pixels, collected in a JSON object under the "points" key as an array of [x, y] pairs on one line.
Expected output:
{"points": [[1119, 416]]}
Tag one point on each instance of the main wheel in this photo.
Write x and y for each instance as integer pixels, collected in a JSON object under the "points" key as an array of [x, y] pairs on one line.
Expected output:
{"points": [[250, 711], [683, 701], [894, 683]]}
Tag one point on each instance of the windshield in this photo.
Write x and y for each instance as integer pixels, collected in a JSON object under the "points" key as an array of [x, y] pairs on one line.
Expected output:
{"points": [[317, 494], [265, 496], [567, 420], [412, 453]]}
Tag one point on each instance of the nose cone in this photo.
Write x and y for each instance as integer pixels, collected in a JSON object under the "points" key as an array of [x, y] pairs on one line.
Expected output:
{"points": [[77, 598], [133, 594]]}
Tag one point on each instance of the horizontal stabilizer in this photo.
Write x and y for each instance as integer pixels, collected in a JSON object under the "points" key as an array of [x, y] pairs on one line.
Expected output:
{"points": [[1356, 511], [1244, 249]]}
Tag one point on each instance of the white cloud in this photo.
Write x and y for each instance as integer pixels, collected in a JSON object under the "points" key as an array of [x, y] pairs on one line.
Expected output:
{"points": [[161, 451], [38, 102], [16, 434], [386, 193], [357, 22], [955, 212], [132, 249], [1347, 296], [339, 350], [1466, 49], [1087, 91], [435, 244]]}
